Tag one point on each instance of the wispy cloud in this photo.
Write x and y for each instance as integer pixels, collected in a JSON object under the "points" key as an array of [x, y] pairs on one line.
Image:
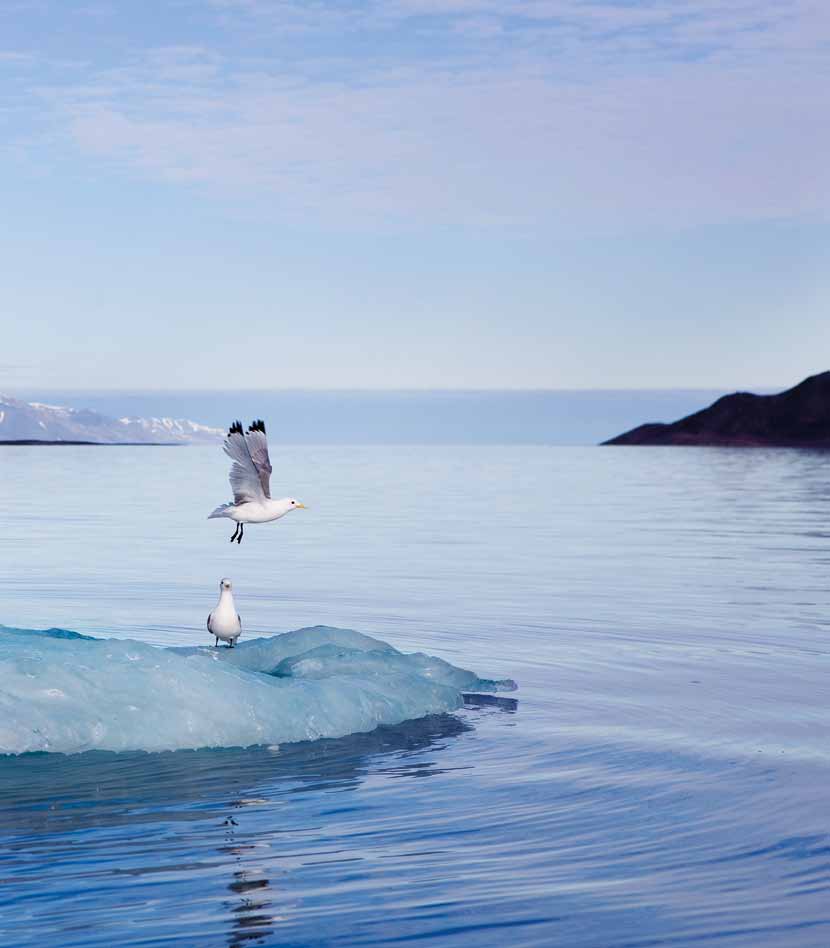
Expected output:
{"points": [[526, 112], [15, 58], [670, 24]]}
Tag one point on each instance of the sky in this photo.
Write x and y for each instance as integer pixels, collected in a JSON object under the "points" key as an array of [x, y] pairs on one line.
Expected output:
{"points": [[544, 194]]}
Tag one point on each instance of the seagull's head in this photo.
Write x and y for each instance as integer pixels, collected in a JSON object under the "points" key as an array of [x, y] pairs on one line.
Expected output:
{"points": [[294, 504], [225, 584]]}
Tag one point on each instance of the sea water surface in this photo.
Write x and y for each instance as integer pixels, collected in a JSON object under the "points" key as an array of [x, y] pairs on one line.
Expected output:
{"points": [[659, 778]]}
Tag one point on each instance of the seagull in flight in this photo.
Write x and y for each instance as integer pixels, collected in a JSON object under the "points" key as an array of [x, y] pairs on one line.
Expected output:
{"points": [[251, 480]]}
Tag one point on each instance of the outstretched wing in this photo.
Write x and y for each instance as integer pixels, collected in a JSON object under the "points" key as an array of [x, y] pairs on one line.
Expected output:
{"points": [[244, 477], [258, 448]]}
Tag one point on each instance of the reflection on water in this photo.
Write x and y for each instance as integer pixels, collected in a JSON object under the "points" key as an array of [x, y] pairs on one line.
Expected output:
{"points": [[43, 792], [251, 920], [119, 813], [664, 781], [329, 842]]}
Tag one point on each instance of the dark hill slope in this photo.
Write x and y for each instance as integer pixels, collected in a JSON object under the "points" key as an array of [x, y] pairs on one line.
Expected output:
{"points": [[799, 417]]}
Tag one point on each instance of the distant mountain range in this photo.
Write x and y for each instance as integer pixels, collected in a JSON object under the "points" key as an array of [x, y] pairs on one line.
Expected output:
{"points": [[33, 422], [798, 418]]}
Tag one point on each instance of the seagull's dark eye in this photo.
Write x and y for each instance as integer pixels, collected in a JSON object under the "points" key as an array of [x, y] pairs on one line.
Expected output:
{"points": [[293, 501]]}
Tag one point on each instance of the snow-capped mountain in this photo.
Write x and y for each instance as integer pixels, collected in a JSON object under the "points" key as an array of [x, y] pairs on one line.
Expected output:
{"points": [[34, 421]]}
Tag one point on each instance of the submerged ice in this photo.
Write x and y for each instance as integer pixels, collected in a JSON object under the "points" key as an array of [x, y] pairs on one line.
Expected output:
{"points": [[64, 692]]}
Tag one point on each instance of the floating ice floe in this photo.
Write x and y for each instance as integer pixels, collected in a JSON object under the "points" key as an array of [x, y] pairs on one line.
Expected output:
{"points": [[64, 692]]}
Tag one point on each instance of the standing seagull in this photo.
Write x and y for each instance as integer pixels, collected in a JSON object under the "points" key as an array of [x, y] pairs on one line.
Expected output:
{"points": [[224, 622], [251, 480]]}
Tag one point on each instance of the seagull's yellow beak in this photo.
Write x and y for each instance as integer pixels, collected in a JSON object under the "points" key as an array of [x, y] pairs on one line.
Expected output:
{"points": [[298, 506]]}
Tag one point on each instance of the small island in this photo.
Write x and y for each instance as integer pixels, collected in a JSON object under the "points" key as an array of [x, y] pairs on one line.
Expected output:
{"points": [[796, 418]]}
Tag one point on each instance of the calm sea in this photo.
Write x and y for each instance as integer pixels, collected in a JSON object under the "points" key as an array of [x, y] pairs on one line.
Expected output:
{"points": [[661, 780]]}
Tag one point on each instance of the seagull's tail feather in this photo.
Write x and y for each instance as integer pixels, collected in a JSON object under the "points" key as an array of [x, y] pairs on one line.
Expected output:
{"points": [[220, 511]]}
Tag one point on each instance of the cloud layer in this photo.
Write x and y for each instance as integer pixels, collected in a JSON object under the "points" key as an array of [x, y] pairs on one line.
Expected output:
{"points": [[517, 113]]}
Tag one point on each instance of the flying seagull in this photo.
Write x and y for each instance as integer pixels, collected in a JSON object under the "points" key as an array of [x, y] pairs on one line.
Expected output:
{"points": [[224, 622], [251, 480]]}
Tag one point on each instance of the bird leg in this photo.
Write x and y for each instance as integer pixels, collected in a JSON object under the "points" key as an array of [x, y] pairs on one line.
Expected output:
{"points": [[235, 532], [241, 532], [216, 643]]}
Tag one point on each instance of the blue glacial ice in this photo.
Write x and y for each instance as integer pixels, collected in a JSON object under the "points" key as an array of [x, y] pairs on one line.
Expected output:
{"points": [[64, 692]]}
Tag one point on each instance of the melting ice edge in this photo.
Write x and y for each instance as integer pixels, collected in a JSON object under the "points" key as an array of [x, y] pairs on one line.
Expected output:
{"points": [[65, 692]]}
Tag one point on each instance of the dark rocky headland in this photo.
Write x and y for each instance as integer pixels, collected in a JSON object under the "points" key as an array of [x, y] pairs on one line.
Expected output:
{"points": [[796, 418]]}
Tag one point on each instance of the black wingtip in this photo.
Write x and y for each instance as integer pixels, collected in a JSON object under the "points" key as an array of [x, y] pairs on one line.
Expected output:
{"points": [[235, 428], [257, 425]]}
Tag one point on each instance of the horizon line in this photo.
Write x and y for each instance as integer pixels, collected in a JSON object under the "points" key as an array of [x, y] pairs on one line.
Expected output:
{"points": [[389, 391]]}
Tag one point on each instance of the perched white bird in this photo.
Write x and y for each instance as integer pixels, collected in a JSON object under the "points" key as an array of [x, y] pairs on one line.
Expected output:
{"points": [[251, 480], [224, 622]]}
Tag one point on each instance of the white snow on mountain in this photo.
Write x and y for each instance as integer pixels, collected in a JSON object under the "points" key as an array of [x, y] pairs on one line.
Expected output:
{"points": [[36, 421]]}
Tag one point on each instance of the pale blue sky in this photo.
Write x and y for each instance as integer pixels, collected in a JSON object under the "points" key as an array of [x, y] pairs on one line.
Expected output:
{"points": [[414, 193]]}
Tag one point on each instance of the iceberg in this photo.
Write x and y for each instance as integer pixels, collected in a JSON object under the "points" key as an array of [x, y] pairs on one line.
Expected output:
{"points": [[65, 692]]}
